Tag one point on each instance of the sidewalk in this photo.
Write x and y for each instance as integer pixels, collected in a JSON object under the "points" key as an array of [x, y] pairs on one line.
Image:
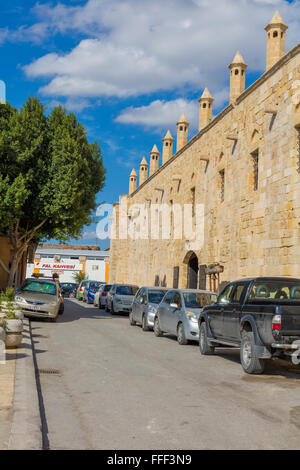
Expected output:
{"points": [[7, 384], [20, 422]]}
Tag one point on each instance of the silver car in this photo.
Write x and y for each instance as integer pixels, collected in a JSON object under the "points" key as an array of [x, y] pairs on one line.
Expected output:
{"points": [[178, 313], [120, 298], [100, 296], [40, 298], [145, 305]]}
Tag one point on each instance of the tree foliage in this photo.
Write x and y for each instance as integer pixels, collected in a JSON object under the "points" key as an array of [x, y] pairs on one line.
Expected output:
{"points": [[49, 176]]}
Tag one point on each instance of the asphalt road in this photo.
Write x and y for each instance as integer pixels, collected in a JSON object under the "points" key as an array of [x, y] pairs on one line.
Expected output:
{"points": [[117, 387]]}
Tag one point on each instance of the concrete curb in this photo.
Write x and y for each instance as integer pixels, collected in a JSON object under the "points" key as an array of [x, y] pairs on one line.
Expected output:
{"points": [[26, 430]]}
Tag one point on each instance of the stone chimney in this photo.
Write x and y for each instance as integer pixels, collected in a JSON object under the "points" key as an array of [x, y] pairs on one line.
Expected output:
{"points": [[276, 30]]}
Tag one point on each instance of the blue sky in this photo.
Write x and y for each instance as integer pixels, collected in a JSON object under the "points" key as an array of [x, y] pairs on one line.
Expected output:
{"points": [[128, 68]]}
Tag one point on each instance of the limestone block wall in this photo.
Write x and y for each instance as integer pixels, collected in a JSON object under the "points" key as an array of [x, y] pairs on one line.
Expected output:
{"points": [[251, 232]]}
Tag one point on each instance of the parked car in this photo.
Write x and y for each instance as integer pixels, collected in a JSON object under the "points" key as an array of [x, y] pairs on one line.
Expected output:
{"points": [[178, 313], [101, 294], [144, 306], [120, 298], [261, 316], [40, 298], [68, 289], [80, 289], [90, 290]]}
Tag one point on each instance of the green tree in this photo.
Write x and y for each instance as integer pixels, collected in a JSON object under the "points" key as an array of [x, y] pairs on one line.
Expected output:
{"points": [[79, 277], [49, 177]]}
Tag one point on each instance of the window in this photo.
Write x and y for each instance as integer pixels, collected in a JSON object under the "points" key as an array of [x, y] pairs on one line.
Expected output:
{"points": [[224, 297], [168, 297], [275, 292], [255, 170], [95, 267], [156, 296], [222, 185], [238, 293], [275, 34], [193, 199], [176, 299], [204, 105], [236, 72]]}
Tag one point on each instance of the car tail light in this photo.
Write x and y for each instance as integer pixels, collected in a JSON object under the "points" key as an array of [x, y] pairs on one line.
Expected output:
{"points": [[80, 288], [276, 322], [104, 294]]}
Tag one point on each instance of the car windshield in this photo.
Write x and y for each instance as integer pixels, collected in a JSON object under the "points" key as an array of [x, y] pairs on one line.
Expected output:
{"points": [[198, 300], [68, 285], [39, 287], [95, 285], [106, 288], [156, 296], [126, 290], [275, 292]]}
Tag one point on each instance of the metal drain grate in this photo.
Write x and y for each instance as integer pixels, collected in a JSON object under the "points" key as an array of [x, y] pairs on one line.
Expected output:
{"points": [[50, 371]]}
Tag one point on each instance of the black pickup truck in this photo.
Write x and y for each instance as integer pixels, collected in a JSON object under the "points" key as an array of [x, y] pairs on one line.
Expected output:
{"points": [[261, 316]]}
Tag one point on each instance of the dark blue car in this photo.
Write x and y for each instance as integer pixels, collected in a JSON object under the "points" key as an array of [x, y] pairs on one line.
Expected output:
{"points": [[90, 291]]}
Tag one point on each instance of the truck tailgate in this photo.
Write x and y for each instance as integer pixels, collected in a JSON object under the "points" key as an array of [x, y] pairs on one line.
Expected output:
{"points": [[290, 320]]}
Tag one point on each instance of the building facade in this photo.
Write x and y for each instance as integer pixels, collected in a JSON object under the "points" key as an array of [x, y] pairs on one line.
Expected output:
{"points": [[66, 261], [242, 169]]}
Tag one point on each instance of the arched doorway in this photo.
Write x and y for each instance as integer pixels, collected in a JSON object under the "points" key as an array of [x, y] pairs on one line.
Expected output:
{"points": [[193, 269]]}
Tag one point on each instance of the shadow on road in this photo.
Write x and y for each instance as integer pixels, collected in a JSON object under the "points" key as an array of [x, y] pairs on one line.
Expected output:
{"points": [[75, 311]]}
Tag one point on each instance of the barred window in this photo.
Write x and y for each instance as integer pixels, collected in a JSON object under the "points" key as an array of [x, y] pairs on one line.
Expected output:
{"points": [[255, 170]]}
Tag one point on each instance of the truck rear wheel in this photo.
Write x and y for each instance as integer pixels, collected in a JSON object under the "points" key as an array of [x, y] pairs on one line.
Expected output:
{"points": [[205, 348], [249, 360]]}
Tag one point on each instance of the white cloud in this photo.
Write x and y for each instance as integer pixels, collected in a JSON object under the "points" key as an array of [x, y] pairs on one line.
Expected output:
{"points": [[164, 114], [160, 113], [133, 47]]}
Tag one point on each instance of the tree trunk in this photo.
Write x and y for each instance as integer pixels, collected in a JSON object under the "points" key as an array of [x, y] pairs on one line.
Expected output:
{"points": [[15, 261]]}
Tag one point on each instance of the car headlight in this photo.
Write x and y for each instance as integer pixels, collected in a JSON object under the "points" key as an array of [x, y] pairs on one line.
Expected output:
{"points": [[20, 299], [192, 317], [152, 309]]}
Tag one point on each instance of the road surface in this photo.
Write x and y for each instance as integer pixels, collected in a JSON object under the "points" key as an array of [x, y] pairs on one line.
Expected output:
{"points": [[114, 386]]}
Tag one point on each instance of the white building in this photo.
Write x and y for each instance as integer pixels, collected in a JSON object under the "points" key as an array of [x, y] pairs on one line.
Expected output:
{"points": [[65, 262]]}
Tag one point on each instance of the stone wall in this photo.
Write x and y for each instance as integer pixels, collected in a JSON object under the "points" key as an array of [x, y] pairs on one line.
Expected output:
{"points": [[252, 232]]}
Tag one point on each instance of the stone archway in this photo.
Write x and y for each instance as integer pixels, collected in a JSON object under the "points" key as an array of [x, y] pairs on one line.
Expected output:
{"points": [[191, 260]]}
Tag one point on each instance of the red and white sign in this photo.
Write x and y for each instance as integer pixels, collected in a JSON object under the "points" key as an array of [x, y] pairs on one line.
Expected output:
{"points": [[46, 266]]}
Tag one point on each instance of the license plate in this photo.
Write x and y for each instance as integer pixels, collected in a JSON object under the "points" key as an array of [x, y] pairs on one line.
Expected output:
{"points": [[35, 308]]}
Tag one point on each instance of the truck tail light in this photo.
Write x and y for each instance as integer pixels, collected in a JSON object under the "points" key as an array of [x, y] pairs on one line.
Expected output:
{"points": [[104, 294], [276, 322]]}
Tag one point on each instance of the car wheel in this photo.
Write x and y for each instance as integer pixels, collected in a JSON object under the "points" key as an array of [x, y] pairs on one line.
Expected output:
{"points": [[205, 348], [112, 310], [157, 331], [249, 360], [53, 320], [106, 307], [145, 326], [131, 320], [181, 338], [62, 309]]}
